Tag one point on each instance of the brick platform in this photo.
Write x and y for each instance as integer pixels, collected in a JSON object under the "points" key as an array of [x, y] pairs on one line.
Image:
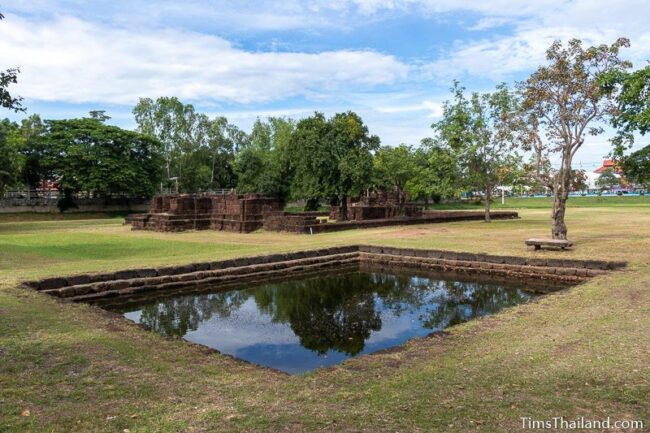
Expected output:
{"points": [[230, 212], [300, 223], [377, 205], [247, 213]]}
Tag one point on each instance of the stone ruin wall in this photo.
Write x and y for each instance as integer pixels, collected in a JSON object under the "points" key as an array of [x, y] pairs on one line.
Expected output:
{"points": [[136, 282], [377, 205], [229, 212], [247, 213], [289, 222]]}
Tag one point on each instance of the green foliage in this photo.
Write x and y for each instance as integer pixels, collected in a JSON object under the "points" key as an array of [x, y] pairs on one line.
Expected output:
{"points": [[567, 99], [479, 133], [21, 153], [437, 173], [8, 77], [309, 160], [197, 151], [9, 156], [632, 91], [636, 166], [608, 179], [30, 144], [87, 155], [395, 167], [331, 158], [263, 165]]}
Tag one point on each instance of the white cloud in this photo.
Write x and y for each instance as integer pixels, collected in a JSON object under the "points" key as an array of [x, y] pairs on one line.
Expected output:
{"points": [[535, 28], [72, 60], [116, 51], [433, 109], [271, 15], [495, 58]]}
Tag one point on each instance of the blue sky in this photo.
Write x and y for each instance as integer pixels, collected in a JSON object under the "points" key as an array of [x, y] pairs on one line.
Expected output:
{"points": [[392, 61]]}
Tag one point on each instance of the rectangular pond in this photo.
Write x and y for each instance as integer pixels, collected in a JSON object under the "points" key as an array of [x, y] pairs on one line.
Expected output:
{"points": [[303, 323]]}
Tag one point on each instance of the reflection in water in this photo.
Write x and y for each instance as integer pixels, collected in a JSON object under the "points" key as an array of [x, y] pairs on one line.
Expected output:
{"points": [[299, 325]]}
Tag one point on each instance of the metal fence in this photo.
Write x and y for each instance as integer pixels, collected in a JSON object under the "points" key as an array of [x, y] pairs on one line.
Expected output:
{"points": [[54, 194]]}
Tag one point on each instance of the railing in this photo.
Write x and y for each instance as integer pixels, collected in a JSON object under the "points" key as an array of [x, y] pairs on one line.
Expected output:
{"points": [[31, 194], [223, 191], [54, 195]]}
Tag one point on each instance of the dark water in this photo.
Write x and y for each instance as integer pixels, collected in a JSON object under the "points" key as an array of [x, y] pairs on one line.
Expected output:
{"points": [[302, 324]]}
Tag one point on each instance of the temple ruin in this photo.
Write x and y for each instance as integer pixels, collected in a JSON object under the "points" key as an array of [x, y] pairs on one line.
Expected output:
{"points": [[377, 205], [229, 212], [250, 212]]}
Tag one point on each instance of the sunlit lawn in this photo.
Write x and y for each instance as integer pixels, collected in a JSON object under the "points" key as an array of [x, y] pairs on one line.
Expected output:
{"points": [[583, 352], [546, 202]]}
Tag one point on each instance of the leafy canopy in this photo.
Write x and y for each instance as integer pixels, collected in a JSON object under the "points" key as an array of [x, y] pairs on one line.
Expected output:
{"points": [[479, 132], [632, 114], [263, 165], [566, 100], [331, 157], [608, 179], [198, 152], [636, 166], [88, 155]]}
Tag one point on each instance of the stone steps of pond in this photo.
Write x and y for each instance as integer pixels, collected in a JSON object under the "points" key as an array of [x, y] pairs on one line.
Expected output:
{"points": [[95, 286], [84, 292], [563, 273]]}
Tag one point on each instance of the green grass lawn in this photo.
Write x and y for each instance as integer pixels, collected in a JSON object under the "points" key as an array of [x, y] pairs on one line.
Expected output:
{"points": [[530, 203], [73, 367], [59, 216], [547, 202]]}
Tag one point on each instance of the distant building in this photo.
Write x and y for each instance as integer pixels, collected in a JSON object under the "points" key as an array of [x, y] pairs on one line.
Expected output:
{"points": [[608, 163]]}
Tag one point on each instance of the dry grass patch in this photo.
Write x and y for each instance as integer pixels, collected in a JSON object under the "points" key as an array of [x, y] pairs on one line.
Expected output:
{"points": [[581, 352]]}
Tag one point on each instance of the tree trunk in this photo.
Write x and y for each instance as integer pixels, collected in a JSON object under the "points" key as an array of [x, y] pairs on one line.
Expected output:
{"points": [[400, 201], [311, 205], [214, 162], [343, 214], [426, 202], [560, 197], [488, 198]]}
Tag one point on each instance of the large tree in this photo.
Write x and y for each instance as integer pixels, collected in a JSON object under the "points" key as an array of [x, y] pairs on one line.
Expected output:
{"points": [[86, 155], [479, 131], [9, 156], [30, 145], [395, 167], [636, 166], [332, 158], [632, 91], [608, 179], [437, 173], [632, 115], [262, 166], [566, 98], [21, 155], [198, 152]]}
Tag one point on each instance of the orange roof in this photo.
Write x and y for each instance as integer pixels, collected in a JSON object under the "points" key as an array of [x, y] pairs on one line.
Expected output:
{"points": [[608, 163]]}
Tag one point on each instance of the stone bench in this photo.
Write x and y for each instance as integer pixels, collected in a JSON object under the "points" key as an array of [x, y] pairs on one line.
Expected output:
{"points": [[548, 243]]}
